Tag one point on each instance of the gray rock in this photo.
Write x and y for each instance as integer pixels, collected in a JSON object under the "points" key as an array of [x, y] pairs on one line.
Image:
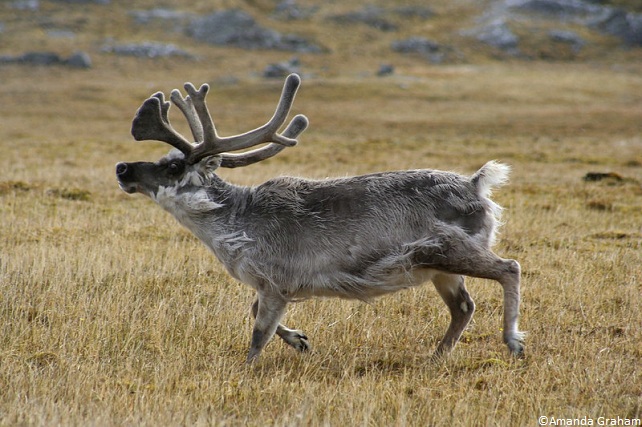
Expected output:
{"points": [[568, 37], [385, 70], [61, 34], [40, 58], [414, 12], [415, 45], [432, 51], [499, 35], [559, 9], [45, 59], [614, 21], [238, 29], [369, 15], [282, 69], [30, 5], [147, 50], [83, 1], [380, 18], [161, 14], [289, 10], [79, 60], [627, 26]]}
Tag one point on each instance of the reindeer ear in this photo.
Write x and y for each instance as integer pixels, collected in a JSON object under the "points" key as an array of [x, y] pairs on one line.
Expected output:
{"points": [[211, 163]]}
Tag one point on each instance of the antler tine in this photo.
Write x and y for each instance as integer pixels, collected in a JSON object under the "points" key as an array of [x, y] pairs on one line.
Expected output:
{"points": [[151, 123], [298, 124], [186, 105], [197, 97], [213, 144], [164, 106]]}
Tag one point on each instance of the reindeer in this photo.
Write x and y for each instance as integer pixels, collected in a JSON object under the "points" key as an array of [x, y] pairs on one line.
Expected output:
{"points": [[292, 238]]}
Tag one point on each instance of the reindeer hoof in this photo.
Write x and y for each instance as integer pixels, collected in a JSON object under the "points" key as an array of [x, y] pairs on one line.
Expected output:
{"points": [[516, 347], [302, 343], [298, 340]]}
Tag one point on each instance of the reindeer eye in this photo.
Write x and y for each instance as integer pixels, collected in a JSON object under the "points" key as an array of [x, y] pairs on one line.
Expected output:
{"points": [[174, 168]]}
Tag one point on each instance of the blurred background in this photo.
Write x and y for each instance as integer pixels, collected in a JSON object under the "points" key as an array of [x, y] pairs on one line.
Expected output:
{"points": [[327, 38]]}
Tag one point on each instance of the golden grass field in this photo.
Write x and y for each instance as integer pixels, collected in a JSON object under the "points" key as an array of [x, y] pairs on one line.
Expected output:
{"points": [[112, 315]]}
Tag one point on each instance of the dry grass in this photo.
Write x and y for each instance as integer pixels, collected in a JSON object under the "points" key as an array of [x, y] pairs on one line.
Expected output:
{"points": [[110, 314]]}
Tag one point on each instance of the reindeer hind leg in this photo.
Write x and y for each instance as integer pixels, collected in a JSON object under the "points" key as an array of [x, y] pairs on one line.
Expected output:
{"points": [[467, 256], [452, 290]]}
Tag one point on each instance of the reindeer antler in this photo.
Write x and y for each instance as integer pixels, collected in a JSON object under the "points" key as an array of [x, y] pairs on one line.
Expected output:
{"points": [[298, 124], [152, 123]]}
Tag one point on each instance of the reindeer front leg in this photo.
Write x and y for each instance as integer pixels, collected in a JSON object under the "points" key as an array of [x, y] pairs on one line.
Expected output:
{"points": [[293, 337], [270, 310]]}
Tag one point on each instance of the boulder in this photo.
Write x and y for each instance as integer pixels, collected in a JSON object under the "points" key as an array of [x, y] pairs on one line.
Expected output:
{"points": [[413, 12], [282, 69], [570, 38], [627, 26], [83, 1], [615, 21], [158, 14], [147, 50], [432, 51], [558, 9], [370, 15], [385, 70], [40, 58], [499, 35], [289, 10], [238, 29], [79, 60], [415, 45], [30, 5]]}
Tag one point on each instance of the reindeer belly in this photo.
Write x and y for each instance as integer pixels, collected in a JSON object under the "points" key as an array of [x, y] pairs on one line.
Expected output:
{"points": [[354, 275]]}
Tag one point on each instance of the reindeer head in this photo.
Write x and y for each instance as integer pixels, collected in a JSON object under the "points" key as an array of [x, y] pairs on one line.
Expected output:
{"points": [[192, 165]]}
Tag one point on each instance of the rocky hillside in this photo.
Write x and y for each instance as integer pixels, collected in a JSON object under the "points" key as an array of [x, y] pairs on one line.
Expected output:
{"points": [[377, 35]]}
